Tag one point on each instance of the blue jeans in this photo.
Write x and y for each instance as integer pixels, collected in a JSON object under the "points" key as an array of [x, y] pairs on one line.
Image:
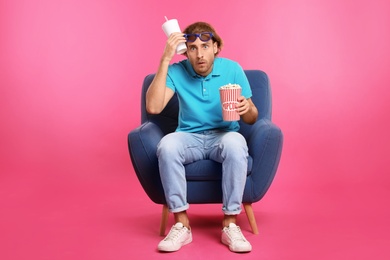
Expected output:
{"points": [[180, 148]]}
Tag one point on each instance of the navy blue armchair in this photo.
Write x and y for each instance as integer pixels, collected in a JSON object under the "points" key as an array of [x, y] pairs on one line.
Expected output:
{"points": [[264, 139]]}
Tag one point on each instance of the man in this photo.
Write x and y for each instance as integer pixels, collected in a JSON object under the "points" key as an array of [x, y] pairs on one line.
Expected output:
{"points": [[201, 131]]}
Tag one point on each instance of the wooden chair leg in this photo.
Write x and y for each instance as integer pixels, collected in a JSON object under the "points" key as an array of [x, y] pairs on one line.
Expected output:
{"points": [[164, 220], [251, 217]]}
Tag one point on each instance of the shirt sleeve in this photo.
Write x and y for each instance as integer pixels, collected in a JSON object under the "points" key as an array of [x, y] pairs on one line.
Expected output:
{"points": [[169, 81]]}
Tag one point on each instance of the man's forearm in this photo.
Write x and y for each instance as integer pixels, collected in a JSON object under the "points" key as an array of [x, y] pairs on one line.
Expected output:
{"points": [[155, 96]]}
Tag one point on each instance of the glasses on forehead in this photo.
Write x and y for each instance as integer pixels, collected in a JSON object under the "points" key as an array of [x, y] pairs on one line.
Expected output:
{"points": [[204, 37]]}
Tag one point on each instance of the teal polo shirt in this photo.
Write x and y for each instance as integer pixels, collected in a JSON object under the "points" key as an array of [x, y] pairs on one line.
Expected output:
{"points": [[199, 102]]}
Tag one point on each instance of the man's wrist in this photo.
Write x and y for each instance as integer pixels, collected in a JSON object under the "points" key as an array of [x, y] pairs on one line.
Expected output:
{"points": [[165, 60]]}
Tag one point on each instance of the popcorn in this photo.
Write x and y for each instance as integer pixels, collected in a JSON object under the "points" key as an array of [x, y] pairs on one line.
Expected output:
{"points": [[230, 86]]}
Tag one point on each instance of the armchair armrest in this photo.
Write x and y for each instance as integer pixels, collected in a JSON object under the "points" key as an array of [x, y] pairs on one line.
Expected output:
{"points": [[142, 144], [265, 142]]}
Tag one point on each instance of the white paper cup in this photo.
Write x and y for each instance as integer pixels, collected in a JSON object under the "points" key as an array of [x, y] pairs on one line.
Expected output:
{"points": [[229, 97], [172, 26]]}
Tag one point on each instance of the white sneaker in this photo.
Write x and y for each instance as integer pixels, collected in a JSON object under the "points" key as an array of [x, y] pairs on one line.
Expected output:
{"points": [[177, 237], [232, 237]]}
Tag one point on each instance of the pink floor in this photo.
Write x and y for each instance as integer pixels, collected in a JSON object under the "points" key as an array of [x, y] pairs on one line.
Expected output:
{"points": [[62, 214]]}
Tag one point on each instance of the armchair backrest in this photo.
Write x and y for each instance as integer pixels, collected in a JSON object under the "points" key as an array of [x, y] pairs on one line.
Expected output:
{"points": [[167, 119]]}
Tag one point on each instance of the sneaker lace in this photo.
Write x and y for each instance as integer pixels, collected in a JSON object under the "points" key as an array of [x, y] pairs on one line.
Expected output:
{"points": [[236, 234], [174, 234]]}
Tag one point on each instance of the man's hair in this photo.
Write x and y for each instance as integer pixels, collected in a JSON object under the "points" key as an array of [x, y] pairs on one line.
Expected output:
{"points": [[200, 27]]}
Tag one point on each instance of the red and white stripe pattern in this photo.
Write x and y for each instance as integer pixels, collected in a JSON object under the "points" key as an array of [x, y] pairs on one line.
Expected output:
{"points": [[229, 99]]}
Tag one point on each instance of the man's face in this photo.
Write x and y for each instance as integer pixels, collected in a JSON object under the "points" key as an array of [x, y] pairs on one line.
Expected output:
{"points": [[201, 55]]}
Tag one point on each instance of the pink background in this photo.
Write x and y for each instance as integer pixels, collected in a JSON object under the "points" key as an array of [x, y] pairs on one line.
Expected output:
{"points": [[70, 78]]}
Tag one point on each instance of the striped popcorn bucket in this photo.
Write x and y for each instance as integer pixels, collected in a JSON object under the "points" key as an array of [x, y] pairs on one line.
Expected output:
{"points": [[229, 97]]}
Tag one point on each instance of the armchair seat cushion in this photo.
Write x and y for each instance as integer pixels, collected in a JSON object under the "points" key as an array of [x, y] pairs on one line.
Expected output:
{"points": [[208, 170]]}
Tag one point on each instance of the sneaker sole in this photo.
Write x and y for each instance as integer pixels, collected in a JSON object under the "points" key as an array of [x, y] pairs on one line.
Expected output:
{"points": [[186, 242], [246, 250]]}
